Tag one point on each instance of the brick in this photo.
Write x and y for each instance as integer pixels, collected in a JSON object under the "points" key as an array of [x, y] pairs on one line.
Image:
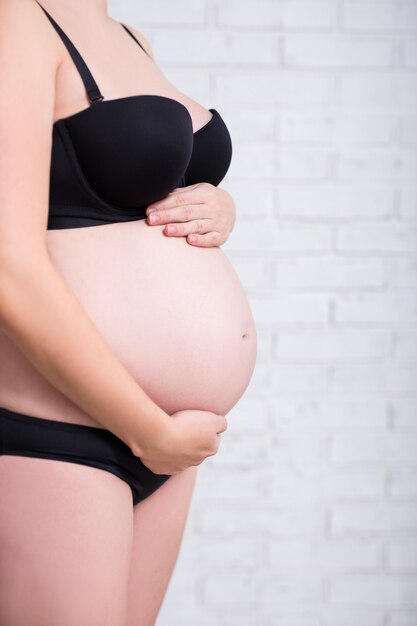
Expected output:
{"points": [[408, 203], [329, 414], [292, 521], [275, 87], [401, 556], [271, 162], [409, 129], [354, 414], [163, 13], [403, 618], [216, 483], [344, 344], [403, 484], [324, 557], [400, 448], [390, 16], [293, 618], [297, 378], [411, 53], [373, 165], [380, 308], [329, 272], [248, 125], [282, 237], [405, 346], [347, 616], [374, 590], [332, 201], [252, 200], [371, 520], [389, 236], [290, 482], [298, 127], [336, 51], [276, 592], [244, 450], [383, 90], [405, 413], [266, 14], [401, 379], [292, 310], [215, 617], [253, 272], [252, 414], [369, 379], [354, 484], [406, 273], [296, 453], [249, 14], [233, 588], [322, 15], [319, 127], [234, 552], [358, 378], [354, 450], [246, 589], [214, 47]]}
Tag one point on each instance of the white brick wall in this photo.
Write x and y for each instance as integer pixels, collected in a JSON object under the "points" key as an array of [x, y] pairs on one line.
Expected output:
{"points": [[308, 514]]}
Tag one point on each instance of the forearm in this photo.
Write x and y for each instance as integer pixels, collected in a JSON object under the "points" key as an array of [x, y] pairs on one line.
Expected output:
{"points": [[44, 318]]}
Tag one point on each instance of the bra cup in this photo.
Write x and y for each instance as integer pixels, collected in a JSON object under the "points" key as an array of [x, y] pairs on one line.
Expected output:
{"points": [[133, 152], [212, 154]]}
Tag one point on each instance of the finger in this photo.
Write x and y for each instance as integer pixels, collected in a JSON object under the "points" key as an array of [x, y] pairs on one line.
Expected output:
{"points": [[184, 213], [190, 195], [207, 240], [182, 230], [221, 424]]}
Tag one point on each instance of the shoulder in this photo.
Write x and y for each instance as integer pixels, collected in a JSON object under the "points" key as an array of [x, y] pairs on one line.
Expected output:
{"points": [[142, 39], [24, 25], [28, 43], [23, 14]]}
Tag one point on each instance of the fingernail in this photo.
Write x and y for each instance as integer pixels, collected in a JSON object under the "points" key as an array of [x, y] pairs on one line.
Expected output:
{"points": [[171, 228], [151, 209], [154, 218]]}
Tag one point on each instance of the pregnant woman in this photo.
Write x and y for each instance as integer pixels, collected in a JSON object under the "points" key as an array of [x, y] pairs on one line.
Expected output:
{"points": [[122, 348]]}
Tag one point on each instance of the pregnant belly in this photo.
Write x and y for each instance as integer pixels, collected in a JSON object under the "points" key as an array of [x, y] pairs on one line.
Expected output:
{"points": [[175, 315]]}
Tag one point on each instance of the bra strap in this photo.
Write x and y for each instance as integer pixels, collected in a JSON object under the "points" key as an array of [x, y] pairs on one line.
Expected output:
{"points": [[133, 36], [90, 84]]}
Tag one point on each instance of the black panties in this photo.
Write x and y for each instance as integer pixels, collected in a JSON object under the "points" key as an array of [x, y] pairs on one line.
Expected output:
{"points": [[24, 435]]}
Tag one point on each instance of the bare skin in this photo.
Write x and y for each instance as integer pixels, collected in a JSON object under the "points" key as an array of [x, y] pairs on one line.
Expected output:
{"points": [[178, 319]]}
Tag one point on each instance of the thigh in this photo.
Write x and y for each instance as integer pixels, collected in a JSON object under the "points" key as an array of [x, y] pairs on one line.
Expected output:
{"points": [[65, 544], [158, 527]]}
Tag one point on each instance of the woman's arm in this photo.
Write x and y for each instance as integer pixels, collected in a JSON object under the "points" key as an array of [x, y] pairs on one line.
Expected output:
{"points": [[38, 310]]}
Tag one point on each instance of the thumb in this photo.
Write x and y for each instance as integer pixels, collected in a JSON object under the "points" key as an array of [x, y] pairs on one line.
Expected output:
{"points": [[221, 424]]}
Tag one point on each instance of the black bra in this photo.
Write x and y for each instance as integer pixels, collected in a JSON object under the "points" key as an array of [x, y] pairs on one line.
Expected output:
{"points": [[113, 159]]}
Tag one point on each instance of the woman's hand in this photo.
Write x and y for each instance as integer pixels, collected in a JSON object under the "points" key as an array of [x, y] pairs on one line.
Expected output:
{"points": [[203, 213], [191, 437]]}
